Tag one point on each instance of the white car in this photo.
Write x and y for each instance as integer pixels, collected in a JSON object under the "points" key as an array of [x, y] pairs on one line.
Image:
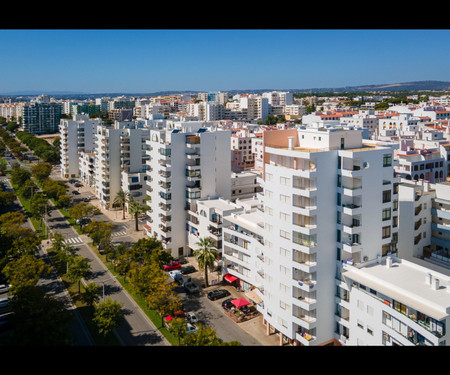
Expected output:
{"points": [[175, 274], [191, 317], [191, 328]]}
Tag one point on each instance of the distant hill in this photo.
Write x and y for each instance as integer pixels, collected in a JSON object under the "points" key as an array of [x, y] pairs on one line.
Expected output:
{"points": [[388, 87]]}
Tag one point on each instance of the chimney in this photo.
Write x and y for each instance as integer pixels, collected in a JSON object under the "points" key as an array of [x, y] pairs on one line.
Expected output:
{"points": [[388, 262], [428, 278], [435, 283], [291, 142]]}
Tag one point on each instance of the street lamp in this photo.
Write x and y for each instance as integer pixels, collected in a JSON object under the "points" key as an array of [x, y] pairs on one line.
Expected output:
{"points": [[103, 282]]}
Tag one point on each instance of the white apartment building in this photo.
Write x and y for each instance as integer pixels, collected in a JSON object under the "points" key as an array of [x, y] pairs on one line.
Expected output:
{"points": [[11, 110], [77, 136], [394, 302], [245, 184], [328, 198], [279, 98], [243, 251], [208, 220], [424, 224], [119, 148], [187, 161]]}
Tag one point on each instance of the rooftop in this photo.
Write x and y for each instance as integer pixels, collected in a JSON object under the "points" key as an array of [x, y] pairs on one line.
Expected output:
{"points": [[406, 282]]}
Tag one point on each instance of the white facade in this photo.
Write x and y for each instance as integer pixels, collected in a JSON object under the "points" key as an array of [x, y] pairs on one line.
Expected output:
{"points": [[118, 148], [187, 161], [323, 200], [394, 302], [77, 135]]}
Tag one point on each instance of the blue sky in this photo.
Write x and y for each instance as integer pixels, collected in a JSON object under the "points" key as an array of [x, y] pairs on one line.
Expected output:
{"points": [[145, 61]]}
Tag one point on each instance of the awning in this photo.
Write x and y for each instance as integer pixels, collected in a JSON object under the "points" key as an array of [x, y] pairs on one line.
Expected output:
{"points": [[168, 318], [147, 228], [230, 278], [240, 302]]}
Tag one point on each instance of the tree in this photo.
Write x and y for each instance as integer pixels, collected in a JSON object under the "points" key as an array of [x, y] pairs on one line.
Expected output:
{"points": [[206, 336], [79, 268], [41, 171], [63, 201], [108, 315], [91, 294], [120, 200], [19, 176], [39, 319], [136, 208], [178, 328], [99, 232], [81, 210], [54, 189], [6, 199], [160, 294], [25, 271], [27, 189], [38, 206], [206, 255]]}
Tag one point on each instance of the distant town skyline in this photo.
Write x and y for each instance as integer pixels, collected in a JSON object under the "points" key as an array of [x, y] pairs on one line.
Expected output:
{"points": [[147, 60]]}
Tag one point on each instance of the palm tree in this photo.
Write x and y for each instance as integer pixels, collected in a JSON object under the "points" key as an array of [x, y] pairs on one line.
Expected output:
{"points": [[206, 254], [121, 199], [136, 208]]}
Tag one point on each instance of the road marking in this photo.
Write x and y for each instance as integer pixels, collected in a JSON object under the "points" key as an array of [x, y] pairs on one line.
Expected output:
{"points": [[73, 240], [118, 234]]}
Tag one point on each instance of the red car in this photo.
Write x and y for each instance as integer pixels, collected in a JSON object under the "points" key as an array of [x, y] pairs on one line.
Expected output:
{"points": [[172, 266]]}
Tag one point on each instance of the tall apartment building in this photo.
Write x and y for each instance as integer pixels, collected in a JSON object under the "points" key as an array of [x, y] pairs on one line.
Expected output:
{"points": [[328, 199], [120, 161], [41, 118], [187, 161], [424, 222], [77, 136]]}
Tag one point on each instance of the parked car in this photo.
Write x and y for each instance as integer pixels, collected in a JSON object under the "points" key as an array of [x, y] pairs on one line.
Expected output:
{"points": [[172, 266], [191, 328], [83, 221], [190, 288], [75, 192], [218, 293], [175, 274], [180, 260], [227, 303], [78, 184], [188, 269], [191, 317]]}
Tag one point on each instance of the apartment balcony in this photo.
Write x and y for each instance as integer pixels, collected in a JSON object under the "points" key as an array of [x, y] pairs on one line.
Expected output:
{"points": [[351, 171], [167, 208], [192, 156], [352, 229], [351, 209], [305, 337], [304, 243], [351, 247]]}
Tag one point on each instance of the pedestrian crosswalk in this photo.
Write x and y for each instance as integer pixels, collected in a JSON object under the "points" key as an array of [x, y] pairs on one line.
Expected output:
{"points": [[78, 240], [118, 234], [73, 240]]}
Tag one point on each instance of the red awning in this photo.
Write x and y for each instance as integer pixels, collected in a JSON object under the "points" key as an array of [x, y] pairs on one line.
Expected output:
{"points": [[147, 227], [230, 278], [168, 318], [240, 302]]}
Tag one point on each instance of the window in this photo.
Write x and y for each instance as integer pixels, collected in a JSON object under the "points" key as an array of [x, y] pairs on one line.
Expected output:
{"points": [[386, 232], [386, 196], [285, 181], [386, 215], [387, 160]]}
